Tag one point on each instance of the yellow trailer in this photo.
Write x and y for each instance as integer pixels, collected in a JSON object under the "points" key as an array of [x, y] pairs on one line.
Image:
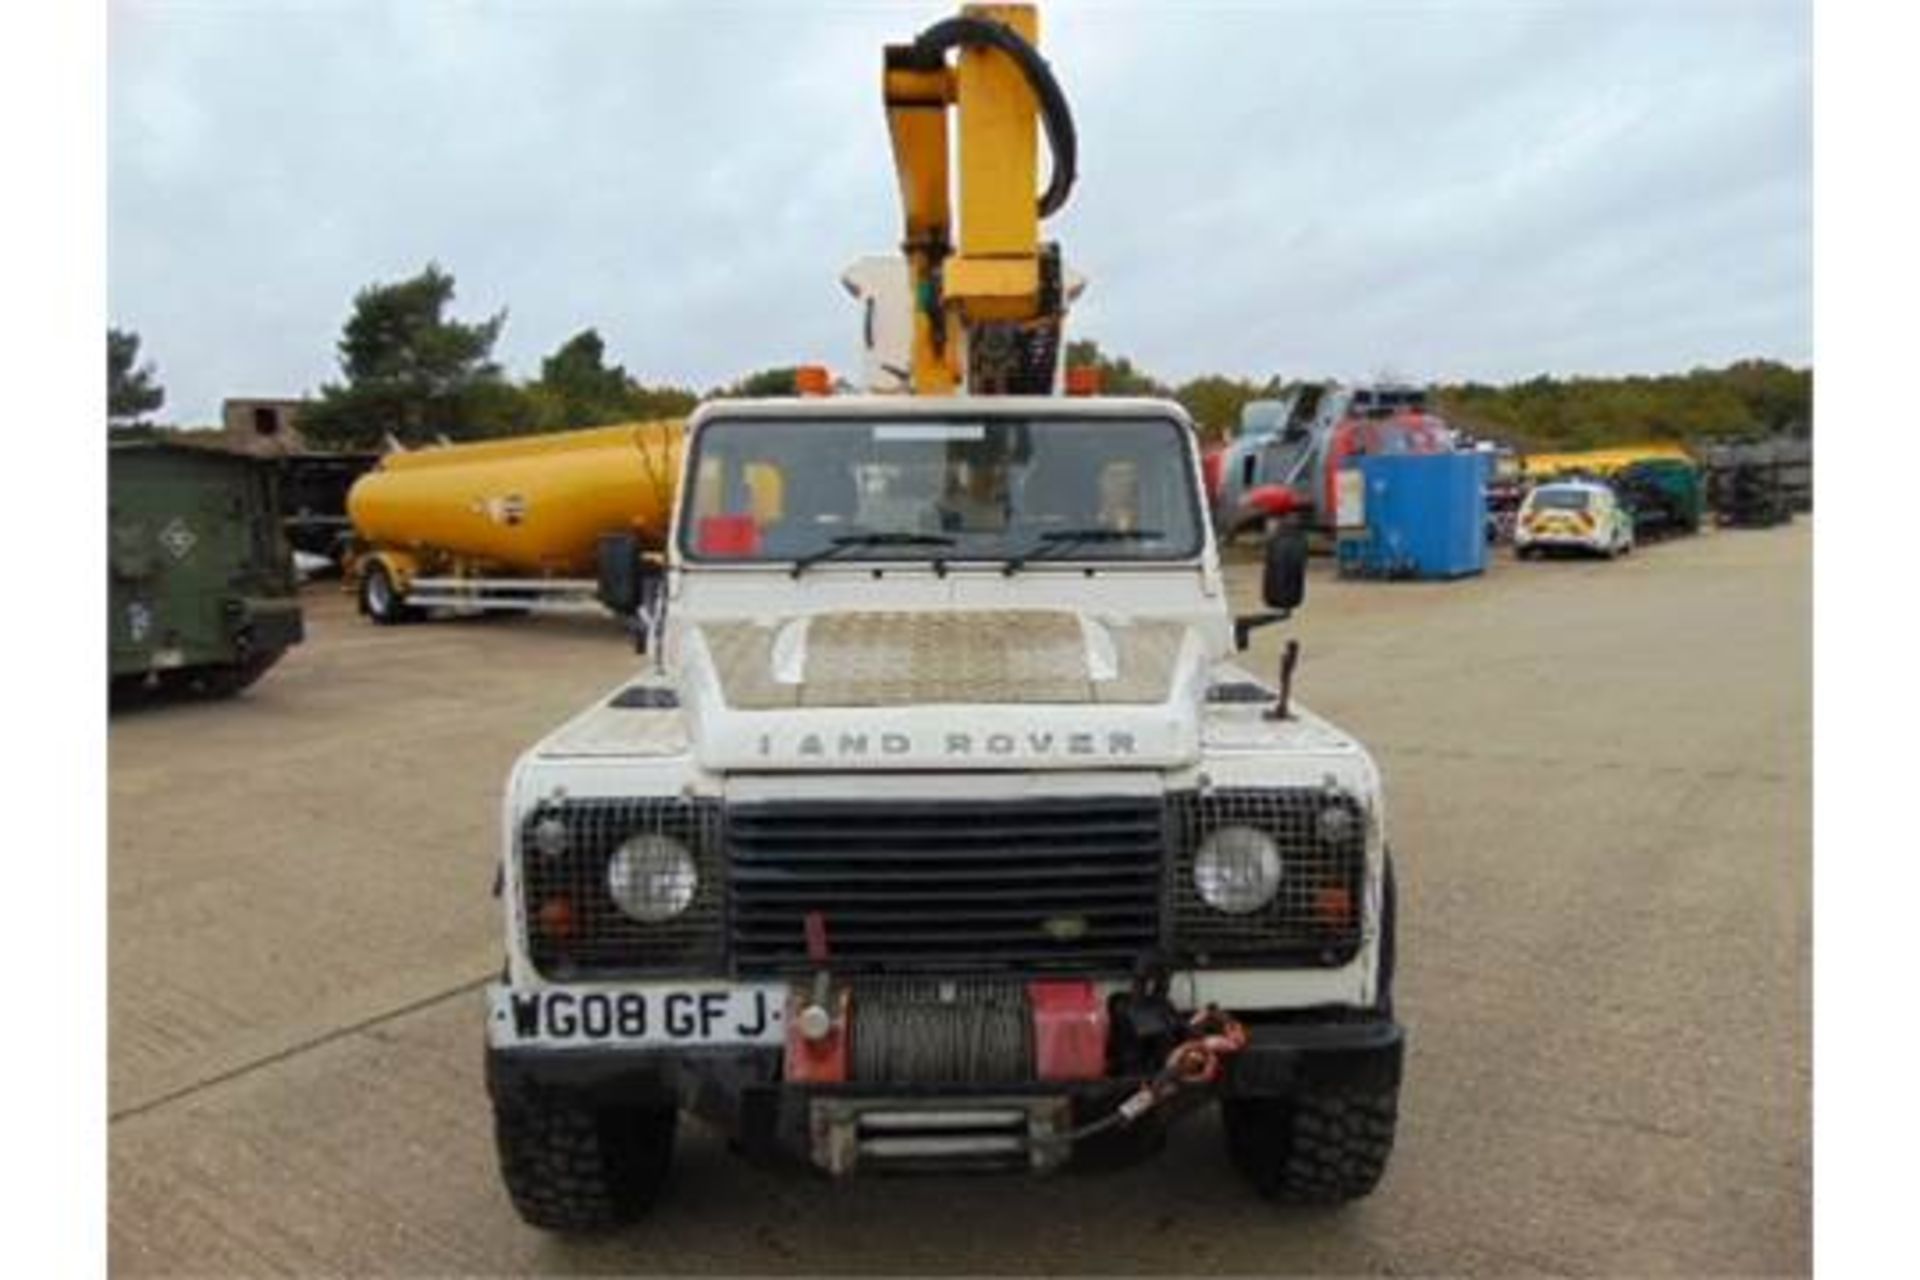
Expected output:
{"points": [[1599, 462], [509, 524]]}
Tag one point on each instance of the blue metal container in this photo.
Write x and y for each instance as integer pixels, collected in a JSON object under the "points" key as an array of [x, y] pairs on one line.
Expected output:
{"points": [[1425, 517]]}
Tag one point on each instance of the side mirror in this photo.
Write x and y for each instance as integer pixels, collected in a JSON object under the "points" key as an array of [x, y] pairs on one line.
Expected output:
{"points": [[629, 584], [621, 569], [1283, 585]]}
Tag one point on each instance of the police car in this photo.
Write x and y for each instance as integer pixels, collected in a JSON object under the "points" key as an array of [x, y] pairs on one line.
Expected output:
{"points": [[1573, 515]]}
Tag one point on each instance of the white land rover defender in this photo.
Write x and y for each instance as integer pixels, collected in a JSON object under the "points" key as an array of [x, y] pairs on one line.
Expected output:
{"points": [[940, 831]]}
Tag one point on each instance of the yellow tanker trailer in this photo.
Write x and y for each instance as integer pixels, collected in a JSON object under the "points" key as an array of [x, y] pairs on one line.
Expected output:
{"points": [[510, 524]]}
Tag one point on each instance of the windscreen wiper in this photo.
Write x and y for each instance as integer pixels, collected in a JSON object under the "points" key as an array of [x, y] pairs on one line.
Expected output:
{"points": [[850, 541], [1055, 542]]}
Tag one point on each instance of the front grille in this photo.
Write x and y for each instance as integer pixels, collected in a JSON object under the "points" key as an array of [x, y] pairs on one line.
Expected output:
{"points": [[1055, 884], [1315, 918], [573, 927]]}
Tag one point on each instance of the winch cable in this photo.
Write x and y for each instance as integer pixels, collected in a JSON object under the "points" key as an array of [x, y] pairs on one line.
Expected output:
{"points": [[1055, 116], [915, 1033], [1196, 1062]]}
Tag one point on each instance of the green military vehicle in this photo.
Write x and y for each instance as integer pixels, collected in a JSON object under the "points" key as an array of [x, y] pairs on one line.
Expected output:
{"points": [[1664, 495], [200, 582]]}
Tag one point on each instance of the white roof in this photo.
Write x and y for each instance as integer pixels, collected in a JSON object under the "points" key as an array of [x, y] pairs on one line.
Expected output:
{"points": [[865, 406]]}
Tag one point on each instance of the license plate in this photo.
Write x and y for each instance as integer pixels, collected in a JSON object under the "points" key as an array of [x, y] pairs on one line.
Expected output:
{"points": [[651, 1016]]}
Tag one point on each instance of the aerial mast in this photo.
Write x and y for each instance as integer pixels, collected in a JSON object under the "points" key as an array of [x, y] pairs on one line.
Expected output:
{"points": [[988, 307]]}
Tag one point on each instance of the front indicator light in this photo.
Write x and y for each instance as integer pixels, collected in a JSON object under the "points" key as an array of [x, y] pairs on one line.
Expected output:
{"points": [[1237, 870], [651, 878], [555, 918], [1334, 906]]}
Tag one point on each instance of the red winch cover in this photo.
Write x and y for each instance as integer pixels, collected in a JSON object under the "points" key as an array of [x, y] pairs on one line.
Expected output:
{"points": [[1069, 1030]]}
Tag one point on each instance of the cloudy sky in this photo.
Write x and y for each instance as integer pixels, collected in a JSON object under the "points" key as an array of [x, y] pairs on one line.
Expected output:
{"points": [[1441, 190]]}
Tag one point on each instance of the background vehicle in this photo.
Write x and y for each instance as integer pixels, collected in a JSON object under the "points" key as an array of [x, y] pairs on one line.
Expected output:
{"points": [[314, 488], [1573, 515], [1663, 496], [200, 585], [509, 525], [1300, 443]]}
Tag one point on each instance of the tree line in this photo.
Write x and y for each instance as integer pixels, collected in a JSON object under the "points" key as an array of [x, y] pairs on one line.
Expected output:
{"points": [[1747, 397], [412, 372]]}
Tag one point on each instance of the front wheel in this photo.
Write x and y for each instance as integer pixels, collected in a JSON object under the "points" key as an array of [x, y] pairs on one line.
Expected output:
{"points": [[574, 1168], [1322, 1147]]}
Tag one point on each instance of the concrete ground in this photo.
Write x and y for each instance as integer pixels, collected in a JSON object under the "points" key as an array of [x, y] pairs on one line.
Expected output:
{"points": [[1599, 782]]}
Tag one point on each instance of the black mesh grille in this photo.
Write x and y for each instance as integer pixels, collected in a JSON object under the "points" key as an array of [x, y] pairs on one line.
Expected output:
{"points": [[917, 885], [1315, 918], [1079, 885], [573, 926]]}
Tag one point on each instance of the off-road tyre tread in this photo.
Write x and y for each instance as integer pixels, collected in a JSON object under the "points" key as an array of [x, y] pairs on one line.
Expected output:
{"points": [[1320, 1148], [570, 1168]]}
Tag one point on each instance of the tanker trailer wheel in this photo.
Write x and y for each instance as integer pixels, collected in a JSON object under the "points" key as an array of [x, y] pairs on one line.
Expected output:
{"points": [[575, 1168], [380, 599]]}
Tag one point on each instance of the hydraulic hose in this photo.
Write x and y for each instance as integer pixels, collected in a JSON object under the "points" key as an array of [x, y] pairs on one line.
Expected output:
{"points": [[1055, 116]]}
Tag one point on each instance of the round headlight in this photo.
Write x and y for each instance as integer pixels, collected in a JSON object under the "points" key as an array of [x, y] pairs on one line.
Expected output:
{"points": [[1237, 870], [651, 878]]}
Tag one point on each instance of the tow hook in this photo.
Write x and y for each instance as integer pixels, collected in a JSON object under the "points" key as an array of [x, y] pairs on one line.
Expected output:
{"points": [[1195, 1063]]}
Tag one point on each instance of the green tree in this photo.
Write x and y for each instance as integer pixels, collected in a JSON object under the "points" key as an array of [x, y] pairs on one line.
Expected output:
{"points": [[1545, 413], [577, 388], [413, 372], [1118, 376], [1214, 401], [586, 391], [762, 382], [660, 402], [132, 392]]}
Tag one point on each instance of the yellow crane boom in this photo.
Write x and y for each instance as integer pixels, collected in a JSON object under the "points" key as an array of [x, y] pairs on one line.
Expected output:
{"points": [[987, 310]]}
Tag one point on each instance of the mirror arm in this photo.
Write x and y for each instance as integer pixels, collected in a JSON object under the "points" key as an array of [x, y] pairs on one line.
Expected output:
{"points": [[1243, 626], [1289, 658]]}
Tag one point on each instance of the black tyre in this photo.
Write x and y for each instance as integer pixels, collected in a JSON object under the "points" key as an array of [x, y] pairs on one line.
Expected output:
{"points": [[224, 682], [576, 1169], [380, 598], [128, 691], [1324, 1147]]}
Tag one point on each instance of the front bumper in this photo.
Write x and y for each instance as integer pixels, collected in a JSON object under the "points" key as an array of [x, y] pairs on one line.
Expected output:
{"points": [[740, 1091]]}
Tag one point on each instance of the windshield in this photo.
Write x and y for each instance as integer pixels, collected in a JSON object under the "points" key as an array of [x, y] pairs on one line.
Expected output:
{"points": [[1559, 500], [941, 490]]}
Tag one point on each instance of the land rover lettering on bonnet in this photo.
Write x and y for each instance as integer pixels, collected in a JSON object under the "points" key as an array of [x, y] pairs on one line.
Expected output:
{"points": [[865, 745]]}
